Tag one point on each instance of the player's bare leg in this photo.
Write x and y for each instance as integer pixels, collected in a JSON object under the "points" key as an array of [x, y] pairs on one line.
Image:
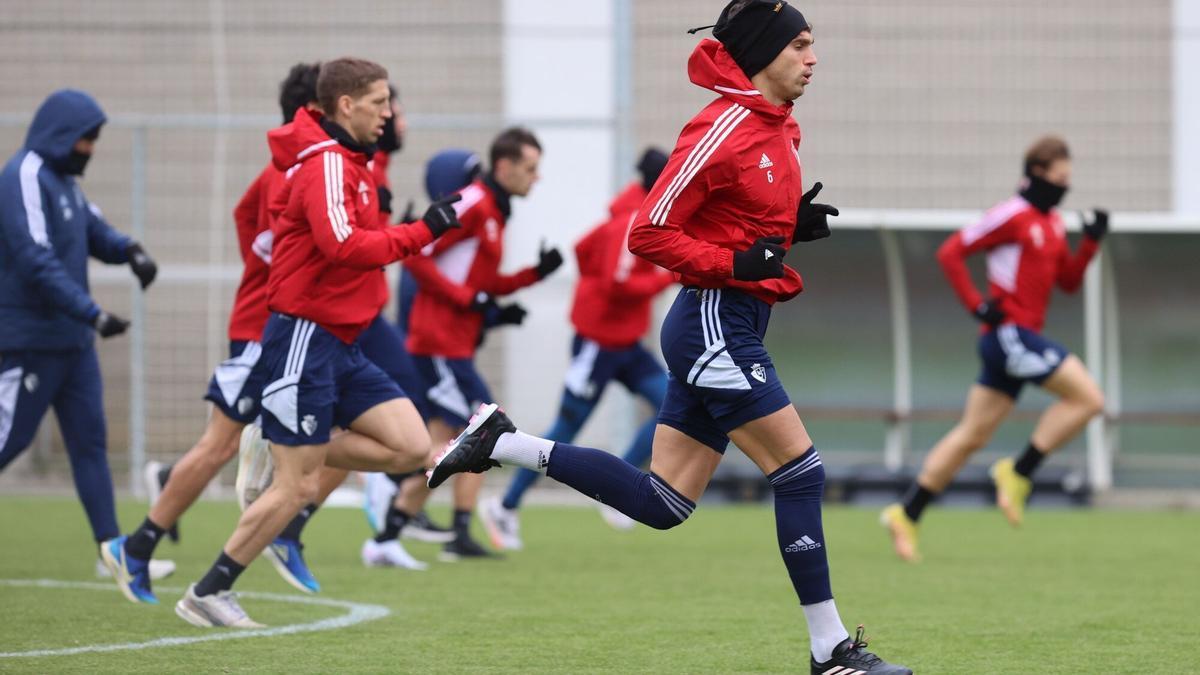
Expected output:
{"points": [[196, 469]]}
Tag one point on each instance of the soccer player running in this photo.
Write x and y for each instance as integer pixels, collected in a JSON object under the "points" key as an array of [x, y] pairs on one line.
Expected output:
{"points": [[458, 279], [1027, 256], [236, 384], [721, 216], [611, 313], [326, 285], [48, 230]]}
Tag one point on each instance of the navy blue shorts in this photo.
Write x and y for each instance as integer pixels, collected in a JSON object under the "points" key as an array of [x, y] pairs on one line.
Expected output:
{"points": [[721, 375], [237, 382], [316, 382], [453, 388], [383, 344], [593, 367], [1013, 355]]}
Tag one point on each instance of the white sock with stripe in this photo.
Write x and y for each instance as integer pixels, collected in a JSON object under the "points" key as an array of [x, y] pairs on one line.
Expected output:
{"points": [[825, 629], [521, 449]]}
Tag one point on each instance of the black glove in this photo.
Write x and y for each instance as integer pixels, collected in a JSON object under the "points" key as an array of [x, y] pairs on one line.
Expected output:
{"points": [[143, 265], [812, 219], [385, 198], [989, 312], [763, 260], [410, 213], [513, 315], [548, 261], [1097, 227], [108, 325], [440, 216], [482, 301]]}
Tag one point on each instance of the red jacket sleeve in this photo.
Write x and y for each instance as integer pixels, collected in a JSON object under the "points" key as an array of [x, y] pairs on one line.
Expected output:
{"points": [[1072, 267], [619, 272], [657, 233], [332, 214], [431, 280], [952, 255], [504, 284], [245, 217]]}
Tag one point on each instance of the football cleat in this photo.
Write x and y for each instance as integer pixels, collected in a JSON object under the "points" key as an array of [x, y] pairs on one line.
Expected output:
{"points": [[389, 554], [220, 609], [255, 466], [852, 658], [378, 493], [132, 575], [615, 519], [472, 450], [159, 569], [287, 557], [903, 530], [503, 526], [1012, 490], [466, 547], [421, 528]]}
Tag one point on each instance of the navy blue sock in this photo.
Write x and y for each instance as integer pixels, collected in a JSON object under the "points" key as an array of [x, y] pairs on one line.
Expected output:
{"points": [[798, 486], [462, 523], [639, 451], [611, 480], [521, 482], [220, 576], [294, 528], [141, 543], [572, 414]]}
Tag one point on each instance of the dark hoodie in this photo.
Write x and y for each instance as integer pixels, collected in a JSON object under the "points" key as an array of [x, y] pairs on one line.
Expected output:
{"points": [[48, 229]]}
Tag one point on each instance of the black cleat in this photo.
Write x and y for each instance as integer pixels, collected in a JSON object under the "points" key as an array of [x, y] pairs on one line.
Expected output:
{"points": [[466, 547], [421, 528], [472, 450], [852, 658]]}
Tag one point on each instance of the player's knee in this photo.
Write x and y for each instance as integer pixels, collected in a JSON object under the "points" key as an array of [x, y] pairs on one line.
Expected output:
{"points": [[663, 507], [307, 489], [664, 518], [1093, 403]]}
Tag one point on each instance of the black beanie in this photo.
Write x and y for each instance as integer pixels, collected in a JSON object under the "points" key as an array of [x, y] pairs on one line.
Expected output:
{"points": [[651, 165], [756, 34]]}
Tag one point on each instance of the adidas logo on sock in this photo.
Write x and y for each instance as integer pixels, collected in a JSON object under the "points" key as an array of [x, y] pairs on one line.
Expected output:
{"points": [[802, 544], [765, 162], [543, 460]]}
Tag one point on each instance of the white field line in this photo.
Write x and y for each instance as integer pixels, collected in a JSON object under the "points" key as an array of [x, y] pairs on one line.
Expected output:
{"points": [[357, 613]]}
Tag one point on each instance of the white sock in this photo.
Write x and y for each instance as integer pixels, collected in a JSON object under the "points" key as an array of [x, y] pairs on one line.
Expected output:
{"points": [[825, 629], [521, 449]]}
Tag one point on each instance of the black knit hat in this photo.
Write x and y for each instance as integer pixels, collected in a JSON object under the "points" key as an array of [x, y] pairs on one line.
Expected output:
{"points": [[651, 166], [756, 34]]}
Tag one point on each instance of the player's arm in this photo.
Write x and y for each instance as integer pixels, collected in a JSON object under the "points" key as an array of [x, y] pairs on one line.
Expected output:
{"points": [[953, 253], [618, 274], [333, 218], [245, 219], [110, 246], [1071, 267], [23, 226], [431, 280]]}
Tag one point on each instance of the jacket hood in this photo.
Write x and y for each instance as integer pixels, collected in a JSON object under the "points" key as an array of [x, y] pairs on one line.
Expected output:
{"points": [[450, 171], [62, 119], [712, 67], [298, 140], [629, 199]]}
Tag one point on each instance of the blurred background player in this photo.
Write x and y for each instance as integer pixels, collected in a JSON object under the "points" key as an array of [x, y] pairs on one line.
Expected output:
{"points": [[722, 215], [326, 285], [236, 384], [48, 230], [458, 279], [611, 314], [1027, 256]]}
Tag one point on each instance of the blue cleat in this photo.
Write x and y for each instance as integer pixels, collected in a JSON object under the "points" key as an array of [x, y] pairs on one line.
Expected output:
{"points": [[132, 575], [287, 556]]}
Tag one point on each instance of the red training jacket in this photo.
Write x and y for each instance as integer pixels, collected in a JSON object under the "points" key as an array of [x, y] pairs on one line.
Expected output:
{"points": [[253, 219], [733, 177], [616, 288], [330, 242], [1027, 254], [452, 270]]}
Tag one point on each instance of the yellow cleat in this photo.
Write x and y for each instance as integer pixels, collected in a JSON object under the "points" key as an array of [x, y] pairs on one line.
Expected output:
{"points": [[903, 530], [1012, 490]]}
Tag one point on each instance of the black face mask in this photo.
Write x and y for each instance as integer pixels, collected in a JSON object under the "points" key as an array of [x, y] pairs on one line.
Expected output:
{"points": [[75, 163], [390, 141], [1043, 194]]}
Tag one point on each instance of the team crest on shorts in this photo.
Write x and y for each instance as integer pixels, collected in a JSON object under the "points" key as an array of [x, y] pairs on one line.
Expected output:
{"points": [[31, 382], [759, 373], [245, 404], [309, 424]]}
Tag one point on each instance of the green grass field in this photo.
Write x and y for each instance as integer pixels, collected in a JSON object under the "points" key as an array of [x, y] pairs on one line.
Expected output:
{"points": [[1073, 592]]}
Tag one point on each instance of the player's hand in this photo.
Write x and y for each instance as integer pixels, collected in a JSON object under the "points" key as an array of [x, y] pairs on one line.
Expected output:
{"points": [[410, 213], [440, 216], [548, 261], [512, 315], [385, 198], [143, 266], [108, 325], [482, 301], [812, 220], [763, 260], [989, 312], [1097, 227]]}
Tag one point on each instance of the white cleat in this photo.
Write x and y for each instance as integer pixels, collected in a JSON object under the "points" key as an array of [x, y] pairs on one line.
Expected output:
{"points": [[378, 493], [159, 569], [255, 467], [503, 526], [615, 519], [389, 554], [150, 479], [213, 611]]}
